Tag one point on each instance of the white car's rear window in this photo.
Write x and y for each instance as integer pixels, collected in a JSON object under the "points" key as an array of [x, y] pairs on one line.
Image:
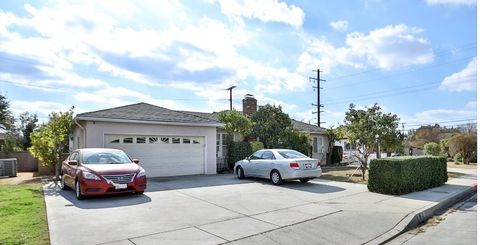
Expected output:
{"points": [[291, 154]]}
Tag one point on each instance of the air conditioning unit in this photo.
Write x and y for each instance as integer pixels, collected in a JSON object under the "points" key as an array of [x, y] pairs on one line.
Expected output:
{"points": [[8, 167]]}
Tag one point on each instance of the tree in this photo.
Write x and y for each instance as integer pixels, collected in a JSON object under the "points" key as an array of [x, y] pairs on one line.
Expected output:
{"points": [[465, 144], [427, 134], [432, 148], [269, 124], [362, 125], [50, 140], [28, 123], [7, 121], [235, 122], [294, 139], [444, 147], [333, 134]]}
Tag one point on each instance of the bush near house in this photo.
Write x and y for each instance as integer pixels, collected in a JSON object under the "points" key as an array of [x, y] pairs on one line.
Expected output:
{"points": [[337, 154], [256, 145], [238, 151], [400, 175], [432, 148]]}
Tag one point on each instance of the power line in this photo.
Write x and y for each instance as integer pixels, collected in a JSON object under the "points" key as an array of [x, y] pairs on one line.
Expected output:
{"points": [[392, 92], [345, 84], [439, 54], [451, 121]]}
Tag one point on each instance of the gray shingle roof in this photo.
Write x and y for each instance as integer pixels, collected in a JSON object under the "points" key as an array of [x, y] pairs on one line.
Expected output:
{"points": [[147, 112], [305, 127]]}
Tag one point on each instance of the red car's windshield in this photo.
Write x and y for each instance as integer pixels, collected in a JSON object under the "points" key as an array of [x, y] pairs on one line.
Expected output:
{"points": [[110, 157]]}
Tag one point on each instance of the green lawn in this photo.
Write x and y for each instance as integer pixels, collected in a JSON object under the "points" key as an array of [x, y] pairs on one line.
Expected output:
{"points": [[22, 215]]}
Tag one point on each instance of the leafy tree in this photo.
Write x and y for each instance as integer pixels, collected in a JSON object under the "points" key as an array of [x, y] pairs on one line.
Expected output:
{"points": [[294, 139], [444, 147], [7, 120], [269, 124], [432, 148], [427, 134], [28, 123], [465, 144], [235, 122], [362, 125], [12, 141], [50, 140], [333, 134]]}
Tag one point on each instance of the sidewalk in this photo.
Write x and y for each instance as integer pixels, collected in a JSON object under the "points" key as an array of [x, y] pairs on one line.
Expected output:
{"points": [[370, 218]]}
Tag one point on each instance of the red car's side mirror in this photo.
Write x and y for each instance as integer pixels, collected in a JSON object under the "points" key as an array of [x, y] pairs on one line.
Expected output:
{"points": [[136, 161], [72, 162]]}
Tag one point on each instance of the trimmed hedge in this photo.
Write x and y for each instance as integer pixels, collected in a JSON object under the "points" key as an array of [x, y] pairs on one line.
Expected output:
{"points": [[256, 145], [238, 151], [401, 175]]}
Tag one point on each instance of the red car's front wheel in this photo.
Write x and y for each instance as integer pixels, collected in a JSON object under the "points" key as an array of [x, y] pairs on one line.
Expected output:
{"points": [[78, 192]]}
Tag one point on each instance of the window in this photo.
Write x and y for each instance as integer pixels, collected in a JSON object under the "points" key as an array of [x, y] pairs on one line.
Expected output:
{"points": [[141, 140], [175, 140], [186, 141], [152, 140], [290, 154], [320, 144], [268, 155], [165, 140], [221, 145], [115, 141], [195, 142], [256, 155], [78, 142], [128, 140], [315, 145]]}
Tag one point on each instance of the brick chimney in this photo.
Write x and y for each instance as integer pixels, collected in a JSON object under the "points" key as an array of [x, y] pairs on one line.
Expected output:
{"points": [[249, 105]]}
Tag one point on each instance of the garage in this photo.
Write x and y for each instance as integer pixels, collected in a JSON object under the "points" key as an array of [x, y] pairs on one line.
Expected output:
{"points": [[162, 155]]}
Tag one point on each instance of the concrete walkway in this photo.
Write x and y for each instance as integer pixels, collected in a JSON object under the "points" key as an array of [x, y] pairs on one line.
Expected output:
{"points": [[222, 209]]}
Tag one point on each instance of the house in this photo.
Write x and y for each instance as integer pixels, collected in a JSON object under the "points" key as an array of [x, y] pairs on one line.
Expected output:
{"points": [[167, 142]]}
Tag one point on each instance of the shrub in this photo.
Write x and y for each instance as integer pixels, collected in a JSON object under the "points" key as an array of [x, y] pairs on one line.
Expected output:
{"points": [[432, 148], [256, 145], [458, 158], [238, 151], [400, 175], [474, 157], [337, 154]]}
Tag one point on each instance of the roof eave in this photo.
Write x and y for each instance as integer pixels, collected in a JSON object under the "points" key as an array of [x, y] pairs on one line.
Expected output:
{"points": [[100, 119]]}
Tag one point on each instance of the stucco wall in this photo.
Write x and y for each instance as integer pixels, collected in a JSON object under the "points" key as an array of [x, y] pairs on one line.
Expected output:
{"points": [[95, 132]]}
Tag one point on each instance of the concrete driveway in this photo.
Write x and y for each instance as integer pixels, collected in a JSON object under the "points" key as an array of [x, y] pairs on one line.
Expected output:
{"points": [[221, 209]]}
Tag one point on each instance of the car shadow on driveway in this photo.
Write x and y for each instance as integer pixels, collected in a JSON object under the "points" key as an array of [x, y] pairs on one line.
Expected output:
{"points": [[198, 181], [107, 201]]}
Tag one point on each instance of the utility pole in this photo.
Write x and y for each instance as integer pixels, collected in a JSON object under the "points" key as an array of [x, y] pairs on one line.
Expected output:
{"points": [[231, 88], [403, 131], [318, 105]]}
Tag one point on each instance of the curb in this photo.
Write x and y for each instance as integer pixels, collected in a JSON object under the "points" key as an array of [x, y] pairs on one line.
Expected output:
{"points": [[414, 219]]}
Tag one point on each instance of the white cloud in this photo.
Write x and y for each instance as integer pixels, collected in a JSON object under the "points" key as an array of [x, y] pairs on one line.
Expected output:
{"points": [[464, 80], [471, 105], [452, 2], [387, 48], [118, 96], [438, 115], [339, 25], [264, 10], [41, 108]]}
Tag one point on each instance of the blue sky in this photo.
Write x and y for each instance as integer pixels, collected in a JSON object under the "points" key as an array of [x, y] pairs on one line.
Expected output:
{"points": [[417, 59]]}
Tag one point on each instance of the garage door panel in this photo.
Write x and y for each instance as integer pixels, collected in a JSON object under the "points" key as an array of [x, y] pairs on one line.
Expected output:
{"points": [[159, 156]]}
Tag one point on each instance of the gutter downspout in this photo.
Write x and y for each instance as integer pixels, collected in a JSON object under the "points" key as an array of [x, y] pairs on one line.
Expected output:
{"points": [[83, 131]]}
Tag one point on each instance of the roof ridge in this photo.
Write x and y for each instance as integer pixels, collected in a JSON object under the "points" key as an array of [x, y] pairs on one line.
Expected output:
{"points": [[113, 108]]}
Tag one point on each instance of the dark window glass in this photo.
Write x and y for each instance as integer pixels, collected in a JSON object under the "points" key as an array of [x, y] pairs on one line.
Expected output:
{"points": [[290, 154], [175, 140], [268, 155], [141, 140], [186, 141], [257, 155], [152, 140], [165, 140], [128, 140]]}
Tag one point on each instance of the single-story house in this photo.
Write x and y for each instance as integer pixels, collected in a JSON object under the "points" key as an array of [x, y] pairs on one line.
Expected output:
{"points": [[167, 142]]}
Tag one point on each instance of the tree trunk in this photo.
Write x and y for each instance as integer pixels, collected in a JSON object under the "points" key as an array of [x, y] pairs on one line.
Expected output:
{"points": [[57, 171]]}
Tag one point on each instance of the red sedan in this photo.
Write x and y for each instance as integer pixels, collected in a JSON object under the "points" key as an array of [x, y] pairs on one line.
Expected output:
{"points": [[99, 171]]}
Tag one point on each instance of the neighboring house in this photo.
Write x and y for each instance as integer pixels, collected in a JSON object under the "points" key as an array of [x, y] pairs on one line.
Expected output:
{"points": [[317, 137], [169, 142]]}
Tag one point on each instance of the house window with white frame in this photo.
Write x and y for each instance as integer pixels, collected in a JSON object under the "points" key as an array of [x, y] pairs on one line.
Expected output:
{"points": [[315, 145], [221, 145]]}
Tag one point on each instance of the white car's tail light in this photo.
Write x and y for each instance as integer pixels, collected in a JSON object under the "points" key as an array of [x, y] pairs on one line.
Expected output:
{"points": [[294, 165]]}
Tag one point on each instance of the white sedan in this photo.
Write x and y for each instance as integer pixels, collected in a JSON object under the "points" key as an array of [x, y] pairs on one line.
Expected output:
{"points": [[278, 165]]}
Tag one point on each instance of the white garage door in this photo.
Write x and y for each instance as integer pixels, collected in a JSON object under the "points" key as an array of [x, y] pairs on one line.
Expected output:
{"points": [[162, 155]]}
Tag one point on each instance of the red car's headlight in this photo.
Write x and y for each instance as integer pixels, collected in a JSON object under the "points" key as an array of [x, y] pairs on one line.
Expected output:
{"points": [[90, 176]]}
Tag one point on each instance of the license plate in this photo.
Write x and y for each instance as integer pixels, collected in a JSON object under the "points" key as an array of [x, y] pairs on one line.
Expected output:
{"points": [[308, 165], [120, 186]]}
